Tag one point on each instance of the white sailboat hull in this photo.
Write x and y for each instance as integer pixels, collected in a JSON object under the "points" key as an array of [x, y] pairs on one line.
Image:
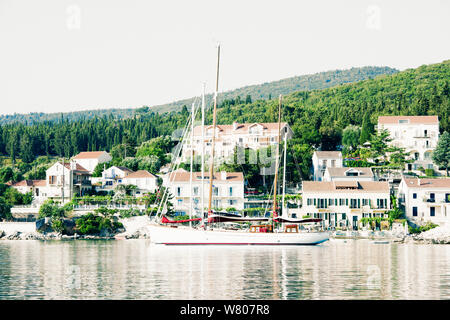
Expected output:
{"points": [[188, 236]]}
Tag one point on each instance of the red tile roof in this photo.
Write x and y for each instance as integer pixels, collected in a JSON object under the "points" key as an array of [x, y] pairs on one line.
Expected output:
{"points": [[412, 119], [29, 183], [89, 155], [140, 174], [185, 176], [428, 183]]}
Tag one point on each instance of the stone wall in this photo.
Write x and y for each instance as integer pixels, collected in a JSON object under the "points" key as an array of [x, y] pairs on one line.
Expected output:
{"points": [[24, 227]]}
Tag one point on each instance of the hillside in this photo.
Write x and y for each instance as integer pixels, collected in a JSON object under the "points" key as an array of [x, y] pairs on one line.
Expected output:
{"points": [[317, 118], [261, 91]]}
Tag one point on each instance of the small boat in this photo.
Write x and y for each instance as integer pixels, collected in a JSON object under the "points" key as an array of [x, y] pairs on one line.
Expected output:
{"points": [[381, 242]]}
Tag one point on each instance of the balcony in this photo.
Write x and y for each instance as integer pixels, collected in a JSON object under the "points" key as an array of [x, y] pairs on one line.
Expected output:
{"points": [[82, 182]]}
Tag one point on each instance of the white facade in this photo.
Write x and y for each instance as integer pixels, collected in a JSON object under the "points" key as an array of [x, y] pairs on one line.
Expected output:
{"points": [[417, 134], [113, 176], [323, 159], [348, 174], [425, 200], [144, 180], [89, 160], [228, 190], [244, 135], [36, 187], [66, 181], [344, 203]]}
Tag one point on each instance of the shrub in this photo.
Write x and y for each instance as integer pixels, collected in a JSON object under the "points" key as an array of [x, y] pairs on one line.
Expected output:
{"points": [[51, 209], [429, 172], [94, 224]]}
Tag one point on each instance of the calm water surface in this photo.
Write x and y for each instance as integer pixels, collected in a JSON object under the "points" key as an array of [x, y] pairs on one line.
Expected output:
{"points": [[134, 269]]}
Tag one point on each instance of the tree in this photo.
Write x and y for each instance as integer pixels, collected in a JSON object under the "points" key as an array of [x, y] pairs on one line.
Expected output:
{"points": [[26, 149], [366, 130], [350, 137], [441, 155], [379, 145], [5, 209]]}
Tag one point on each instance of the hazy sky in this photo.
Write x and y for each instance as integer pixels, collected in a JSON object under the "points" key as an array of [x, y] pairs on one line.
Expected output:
{"points": [[58, 55]]}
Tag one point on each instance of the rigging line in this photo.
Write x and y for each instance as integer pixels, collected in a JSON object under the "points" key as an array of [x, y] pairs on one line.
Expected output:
{"points": [[186, 130]]}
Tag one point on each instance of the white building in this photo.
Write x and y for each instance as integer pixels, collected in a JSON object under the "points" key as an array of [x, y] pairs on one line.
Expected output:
{"points": [[425, 200], [417, 134], [66, 181], [323, 159], [228, 190], [89, 160], [344, 203], [34, 186], [348, 174], [113, 176], [244, 135], [144, 180]]}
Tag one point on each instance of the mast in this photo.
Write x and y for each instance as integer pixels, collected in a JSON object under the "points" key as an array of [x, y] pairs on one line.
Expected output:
{"points": [[211, 165], [274, 212], [192, 159], [203, 151], [284, 176]]}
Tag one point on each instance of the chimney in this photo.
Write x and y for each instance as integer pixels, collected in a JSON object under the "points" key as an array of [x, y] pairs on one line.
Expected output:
{"points": [[73, 165], [223, 175], [235, 125]]}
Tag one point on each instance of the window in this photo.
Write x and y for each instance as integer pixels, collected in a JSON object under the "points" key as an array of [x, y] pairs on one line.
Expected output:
{"points": [[178, 191], [432, 211], [381, 203], [414, 211], [403, 121], [333, 163], [196, 191], [414, 195], [180, 202], [231, 191]]}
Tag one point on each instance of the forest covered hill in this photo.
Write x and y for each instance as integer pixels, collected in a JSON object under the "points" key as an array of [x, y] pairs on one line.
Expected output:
{"points": [[261, 91], [317, 117]]}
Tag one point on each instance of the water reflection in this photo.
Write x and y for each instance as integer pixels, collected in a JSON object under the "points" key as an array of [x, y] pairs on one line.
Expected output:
{"points": [[135, 269]]}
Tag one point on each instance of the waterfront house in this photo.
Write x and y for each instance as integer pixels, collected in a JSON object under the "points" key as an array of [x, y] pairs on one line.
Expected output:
{"points": [[113, 176], [66, 180], [34, 186], [425, 199], [417, 134], [89, 160], [143, 180], [344, 203], [243, 135], [228, 190], [324, 159], [348, 174]]}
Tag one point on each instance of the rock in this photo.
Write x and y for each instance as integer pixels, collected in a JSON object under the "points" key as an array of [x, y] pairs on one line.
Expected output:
{"points": [[2, 234], [13, 236]]}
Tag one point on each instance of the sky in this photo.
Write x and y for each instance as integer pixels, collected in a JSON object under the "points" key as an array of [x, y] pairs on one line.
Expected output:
{"points": [[62, 56]]}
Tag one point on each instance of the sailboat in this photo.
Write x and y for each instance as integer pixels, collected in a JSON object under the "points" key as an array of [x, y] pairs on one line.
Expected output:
{"points": [[170, 232]]}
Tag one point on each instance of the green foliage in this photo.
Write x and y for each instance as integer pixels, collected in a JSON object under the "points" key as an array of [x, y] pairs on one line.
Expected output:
{"points": [[5, 210], [428, 226], [94, 224], [350, 137], [14, 197], [441, 155], [51, 209]]}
